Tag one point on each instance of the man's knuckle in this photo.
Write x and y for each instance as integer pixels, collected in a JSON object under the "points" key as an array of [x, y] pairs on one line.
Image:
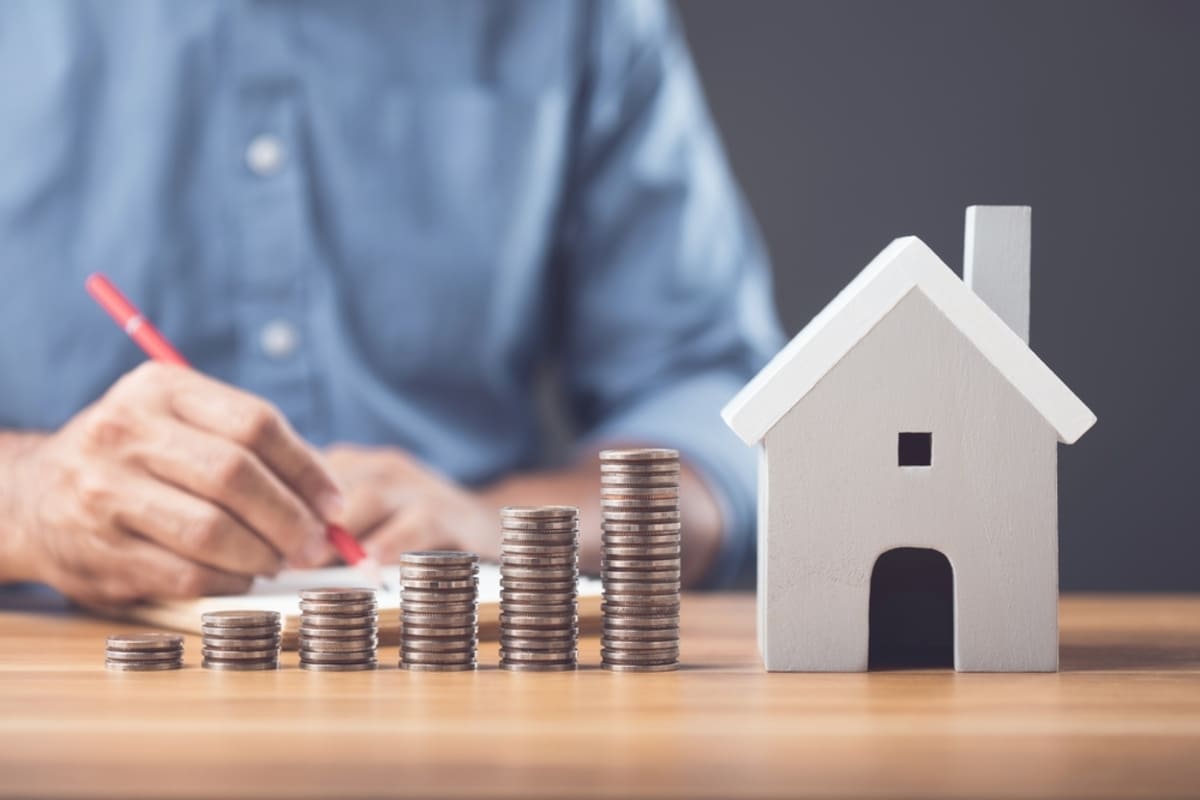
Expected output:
{"points": [[108, 427], [192, 580], [228, 467], [203, 530], [96, 494], [258, 424]]}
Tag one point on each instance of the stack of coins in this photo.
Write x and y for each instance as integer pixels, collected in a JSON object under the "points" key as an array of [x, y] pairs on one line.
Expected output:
{"points": [[640, 567], [539, 554], [143, 652], [240, 640], [338, 629], [439, 610]]}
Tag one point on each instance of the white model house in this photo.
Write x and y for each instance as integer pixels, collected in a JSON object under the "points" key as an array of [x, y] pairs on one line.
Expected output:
{"points": [[911, 413]]}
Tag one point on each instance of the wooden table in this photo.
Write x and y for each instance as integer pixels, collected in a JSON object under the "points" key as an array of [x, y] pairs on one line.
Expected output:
{"points": [[1122, 718]]}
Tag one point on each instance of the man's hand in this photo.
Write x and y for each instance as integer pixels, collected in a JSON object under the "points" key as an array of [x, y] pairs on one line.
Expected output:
{"points": [[171, 485], [395, 504]]}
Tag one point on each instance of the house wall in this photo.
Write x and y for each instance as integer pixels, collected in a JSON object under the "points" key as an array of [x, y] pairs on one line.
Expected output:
{"points": [[835, 499]]}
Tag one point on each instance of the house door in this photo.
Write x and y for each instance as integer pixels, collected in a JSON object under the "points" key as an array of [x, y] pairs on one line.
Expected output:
{"points": [[912, 610]]}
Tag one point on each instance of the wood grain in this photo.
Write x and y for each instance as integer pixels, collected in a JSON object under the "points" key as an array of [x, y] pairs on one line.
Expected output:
{"points": [[1121, 719]]}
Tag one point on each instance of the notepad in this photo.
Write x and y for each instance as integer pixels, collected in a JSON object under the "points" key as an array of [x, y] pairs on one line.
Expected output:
{"points": [[281, 594]]}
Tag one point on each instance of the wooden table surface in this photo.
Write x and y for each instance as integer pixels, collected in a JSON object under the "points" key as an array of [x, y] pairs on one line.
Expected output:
{"points": [[1121, 719]]}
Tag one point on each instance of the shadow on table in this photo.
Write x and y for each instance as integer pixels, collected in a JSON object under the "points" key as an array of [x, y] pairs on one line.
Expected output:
{"points": [[1129, 657]]}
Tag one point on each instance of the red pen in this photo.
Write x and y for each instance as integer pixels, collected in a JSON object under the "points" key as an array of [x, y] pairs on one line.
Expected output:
{"points": [[155, 345]]}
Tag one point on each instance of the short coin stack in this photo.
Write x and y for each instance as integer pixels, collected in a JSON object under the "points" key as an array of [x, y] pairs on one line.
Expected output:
{"points": [[640, 566], [338, 629], [539, 555], [439, 610], [143, 652], [240, 640]]}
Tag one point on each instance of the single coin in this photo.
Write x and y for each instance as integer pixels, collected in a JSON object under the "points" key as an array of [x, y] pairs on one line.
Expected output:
{"points": [[671, 667], [351, 608], [616, 552], [639, 493], [411, 667], [334, 621], [641, 587], [641, 528], [422, 657], [540, 537], [412, 607], [536, 655], [622, 621], [539, 609], [144, 641], [628, 645], [548, 632], [437, 645], [548, 525], [533, 666], [515, 585], [320, 657], [536, 620], [517, 560], [314, 667], [507, 548], [433, 620], [642, 517], [440, 585], [633, 471], [540, 598], [238, 655], [656, 656], [259, 632], [647, 504], [625, 477], [568, 643], [142, 666], [539, 512], [639, 454], [448, 632], [431, 596], [649, 564], [614, 600], [240, 619], [367, 631], [568, 573], [143, 656], [338, 645], [448, 558], [240, 666], [629, 611], [639, 575], [437, 574], [629, 540], [335, 594], [641, 635], [257, 643]]}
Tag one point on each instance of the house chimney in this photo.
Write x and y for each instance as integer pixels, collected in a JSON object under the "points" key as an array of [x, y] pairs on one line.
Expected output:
{"points": [[996, 262]]}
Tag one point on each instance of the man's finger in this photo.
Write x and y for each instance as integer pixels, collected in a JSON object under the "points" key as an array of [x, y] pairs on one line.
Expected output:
{"points": [[148, 571]]}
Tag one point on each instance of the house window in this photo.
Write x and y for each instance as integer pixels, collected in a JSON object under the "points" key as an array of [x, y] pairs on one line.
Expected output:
{"points": [[915, 449]]}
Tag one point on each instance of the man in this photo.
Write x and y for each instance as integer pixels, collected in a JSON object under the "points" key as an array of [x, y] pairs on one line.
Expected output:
{"points": [[382, 222]]}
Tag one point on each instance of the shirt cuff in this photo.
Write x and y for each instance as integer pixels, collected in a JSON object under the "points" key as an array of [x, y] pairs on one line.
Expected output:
{"points": [[687, 417]]}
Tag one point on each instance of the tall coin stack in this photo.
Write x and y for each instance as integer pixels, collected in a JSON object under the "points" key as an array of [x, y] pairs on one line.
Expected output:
{"points": [[338, 629], [439, 610], [143, 652], [539, 572], [640, 566], [240, 640]]}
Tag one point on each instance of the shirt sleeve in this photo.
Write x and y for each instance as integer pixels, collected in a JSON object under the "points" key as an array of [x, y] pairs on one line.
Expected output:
{"points": [[668, 306]]}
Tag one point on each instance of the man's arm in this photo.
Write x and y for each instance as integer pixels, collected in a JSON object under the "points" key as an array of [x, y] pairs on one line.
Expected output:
{"points": [[14, 551]]}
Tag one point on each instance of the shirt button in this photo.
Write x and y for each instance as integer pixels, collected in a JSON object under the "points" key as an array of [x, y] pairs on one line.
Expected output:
{"points": [[264, 155], [279, 339]]}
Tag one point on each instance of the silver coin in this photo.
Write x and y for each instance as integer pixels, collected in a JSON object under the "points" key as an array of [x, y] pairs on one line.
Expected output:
{"points": [[652, 505], [516, 560], [421, 657], [414, 644], [224, 643], [642, 517], [448, 632], [641, 528], [656, 656], [142, 666], [334, 621], [412, 607], [335, 594], [629, 645], [553, 632], [536, 655], [633, 471], [338, 633], [210, 630], [614, 600], [438, 574], [313, 667], [538, 609], [434, 620], [567, 643], [240, 619], [240, 666], [652, 551], [641, 634], [515, 549], [238, 655], [414, 584], [539, 512], [313, 607], [671, 667], [534, 666], [536, 620], [641, 587], [144, 641], [640, 493], [515, 585], [446, 596], [317, 657], [632, 540], [338, 645], [466, 667], [639, 575], [625, 477], [639, 454], [648, 564], [509, 525], [568, 573], [635, 612], [143, 656], [440, 558], [540, 537], [541, 598], [622, 621]]}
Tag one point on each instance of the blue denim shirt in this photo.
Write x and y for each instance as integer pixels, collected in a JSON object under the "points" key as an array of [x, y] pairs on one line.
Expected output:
{"points": [[389, 218]]}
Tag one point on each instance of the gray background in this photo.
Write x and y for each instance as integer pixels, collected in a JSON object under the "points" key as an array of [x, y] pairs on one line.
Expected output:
{"points": [[850, 123]]}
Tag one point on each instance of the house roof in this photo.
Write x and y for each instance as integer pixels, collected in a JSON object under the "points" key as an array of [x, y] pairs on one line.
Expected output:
{"points": [[904, 265]]}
